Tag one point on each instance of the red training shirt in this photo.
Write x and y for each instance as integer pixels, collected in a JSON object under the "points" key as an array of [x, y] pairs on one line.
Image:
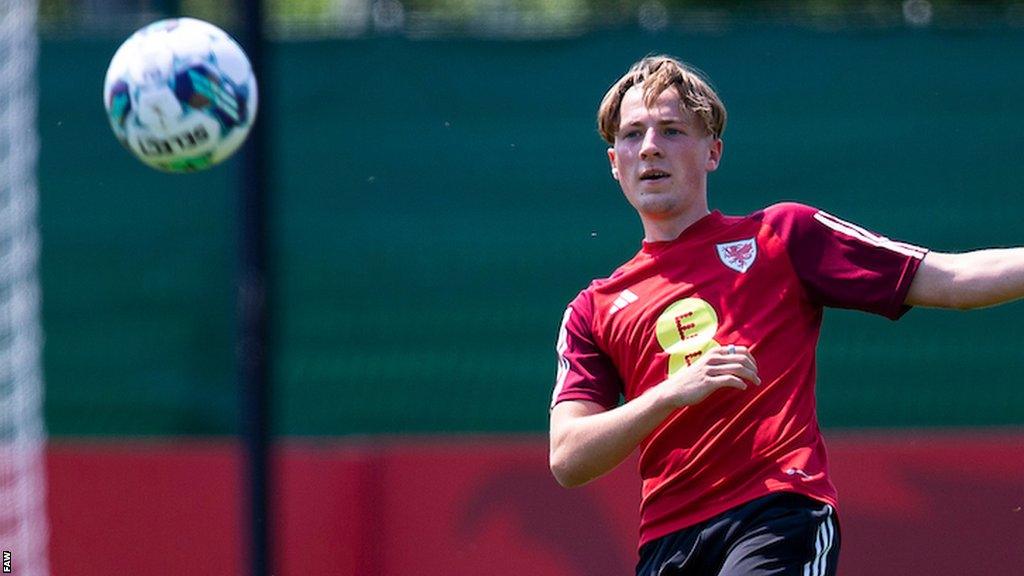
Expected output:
{"points": [[759, 281]]}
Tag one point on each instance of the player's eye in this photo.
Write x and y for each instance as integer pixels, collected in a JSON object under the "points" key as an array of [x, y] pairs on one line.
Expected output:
{"points": [[672, 132]]}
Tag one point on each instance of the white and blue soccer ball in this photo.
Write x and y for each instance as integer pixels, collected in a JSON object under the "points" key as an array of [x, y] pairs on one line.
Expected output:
{"points": [[180, 95]]}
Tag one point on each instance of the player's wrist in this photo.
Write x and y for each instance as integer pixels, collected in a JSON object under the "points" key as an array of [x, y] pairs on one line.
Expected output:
{"points": [[666, 396]]}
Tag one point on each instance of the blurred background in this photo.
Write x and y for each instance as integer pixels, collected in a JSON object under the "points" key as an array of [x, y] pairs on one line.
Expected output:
{"points": [[438, 193]]}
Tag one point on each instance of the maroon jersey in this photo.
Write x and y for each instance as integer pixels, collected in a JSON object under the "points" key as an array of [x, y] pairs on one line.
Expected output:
{"points": [[759, 281]]}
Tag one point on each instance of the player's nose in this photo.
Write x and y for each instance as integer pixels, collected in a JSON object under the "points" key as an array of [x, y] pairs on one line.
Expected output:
{"points": [[649, 147]]}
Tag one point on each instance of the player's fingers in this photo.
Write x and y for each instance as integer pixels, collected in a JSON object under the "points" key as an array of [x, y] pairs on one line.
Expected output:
{"points": [[740, 354], [729, 381], [749, 375], [724, 354], [734, 349], [742, 368], [745, 352], [732, 359], [749, 357], [734, 371], [750, 367]]}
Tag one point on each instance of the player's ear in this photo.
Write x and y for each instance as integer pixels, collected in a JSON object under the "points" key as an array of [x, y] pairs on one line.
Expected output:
{"points": [[714, 155], [611, 160]]}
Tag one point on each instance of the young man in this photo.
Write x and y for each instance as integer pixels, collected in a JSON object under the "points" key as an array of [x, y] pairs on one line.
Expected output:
{"points": [[709, 333]]}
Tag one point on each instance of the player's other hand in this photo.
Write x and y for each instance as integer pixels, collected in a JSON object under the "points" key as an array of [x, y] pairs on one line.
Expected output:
{"points": [[723, 367]]}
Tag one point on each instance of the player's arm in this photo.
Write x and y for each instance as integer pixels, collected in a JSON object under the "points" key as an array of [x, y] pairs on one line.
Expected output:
{"points": [[968, 280], [587, 440]]}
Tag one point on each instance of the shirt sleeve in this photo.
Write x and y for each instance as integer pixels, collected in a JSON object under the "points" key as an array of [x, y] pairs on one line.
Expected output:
{"points": [[584, 371], [843, 265]]}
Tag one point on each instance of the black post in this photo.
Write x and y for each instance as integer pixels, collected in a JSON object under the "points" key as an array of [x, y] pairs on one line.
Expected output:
{"points": [[253, 348]]}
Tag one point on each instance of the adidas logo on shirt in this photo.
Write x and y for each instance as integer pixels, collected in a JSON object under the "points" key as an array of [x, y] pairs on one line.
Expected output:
{"points": [[625, 299]]}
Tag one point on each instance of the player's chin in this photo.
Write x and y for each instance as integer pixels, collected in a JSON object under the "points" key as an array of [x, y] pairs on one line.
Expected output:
{"points": [[660, 192], [656, 205], [657, 190]]}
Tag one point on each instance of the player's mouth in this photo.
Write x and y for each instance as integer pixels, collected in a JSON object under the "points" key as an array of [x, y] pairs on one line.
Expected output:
{"points": [[653, 174]]}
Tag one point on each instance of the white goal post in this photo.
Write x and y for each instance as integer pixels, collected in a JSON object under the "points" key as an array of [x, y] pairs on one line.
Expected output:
{"points": [[23, 519]]}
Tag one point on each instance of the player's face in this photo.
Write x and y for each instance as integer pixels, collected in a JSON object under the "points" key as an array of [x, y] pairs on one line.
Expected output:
{"points": [[661, 157]]}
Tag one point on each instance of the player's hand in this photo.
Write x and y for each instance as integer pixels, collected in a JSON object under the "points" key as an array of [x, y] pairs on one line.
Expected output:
{"points": [[723, 367]]}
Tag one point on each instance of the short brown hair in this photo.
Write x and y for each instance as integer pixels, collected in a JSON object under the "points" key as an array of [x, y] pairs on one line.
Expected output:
{"points": [[657, 74]]}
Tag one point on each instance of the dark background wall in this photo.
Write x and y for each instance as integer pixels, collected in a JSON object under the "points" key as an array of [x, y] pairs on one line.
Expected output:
{"points": [[437, 202]]}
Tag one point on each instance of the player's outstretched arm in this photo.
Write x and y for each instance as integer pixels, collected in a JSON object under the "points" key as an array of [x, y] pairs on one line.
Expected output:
{"points": [[587, 441], [968, 280]]}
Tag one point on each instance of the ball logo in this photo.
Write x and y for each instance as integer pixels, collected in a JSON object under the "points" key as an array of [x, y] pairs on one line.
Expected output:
{"points": [[153, 146], [686, 329], [739, 255]]}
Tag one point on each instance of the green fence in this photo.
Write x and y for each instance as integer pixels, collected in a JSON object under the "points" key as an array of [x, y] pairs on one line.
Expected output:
{"points": [[436, 204]]}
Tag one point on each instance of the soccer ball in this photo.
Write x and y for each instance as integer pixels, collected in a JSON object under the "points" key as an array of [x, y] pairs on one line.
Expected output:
{"points": [[180, 95]]}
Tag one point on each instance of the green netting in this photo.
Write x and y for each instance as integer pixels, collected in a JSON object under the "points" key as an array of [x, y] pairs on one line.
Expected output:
{"points": [[438, 202]]}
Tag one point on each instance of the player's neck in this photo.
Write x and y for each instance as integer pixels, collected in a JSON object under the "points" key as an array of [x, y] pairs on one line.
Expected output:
{"points": [[665, 229]]}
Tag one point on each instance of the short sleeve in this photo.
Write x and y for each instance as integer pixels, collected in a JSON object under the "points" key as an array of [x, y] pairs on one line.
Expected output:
{"points": [[584, 371], [844, 265]]}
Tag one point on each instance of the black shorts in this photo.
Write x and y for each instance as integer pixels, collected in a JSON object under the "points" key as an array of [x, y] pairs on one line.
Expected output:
{"points": [[778, 535]]}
